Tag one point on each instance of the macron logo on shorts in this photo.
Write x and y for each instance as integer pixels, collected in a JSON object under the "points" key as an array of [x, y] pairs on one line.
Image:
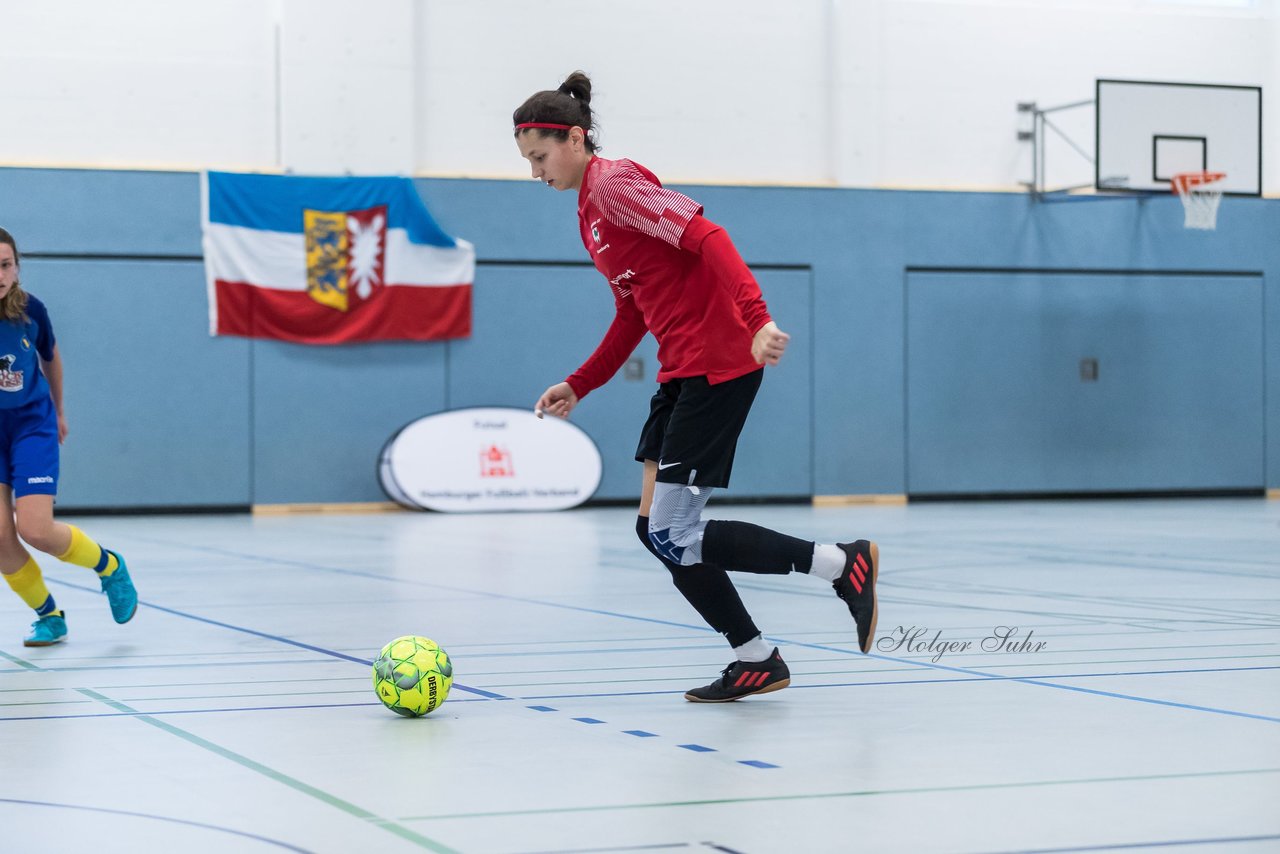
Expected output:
{"points": [[45, 479]]}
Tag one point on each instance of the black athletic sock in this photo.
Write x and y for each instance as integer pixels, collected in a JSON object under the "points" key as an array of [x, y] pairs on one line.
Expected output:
{"points": [[709, 590], [743, 547]]}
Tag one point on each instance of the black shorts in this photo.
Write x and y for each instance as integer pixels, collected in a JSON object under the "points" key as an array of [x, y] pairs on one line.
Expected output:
{"points": [[693, 428]]}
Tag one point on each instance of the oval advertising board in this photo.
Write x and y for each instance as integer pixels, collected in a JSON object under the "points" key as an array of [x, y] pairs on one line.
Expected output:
{"points": [[489, 458]]}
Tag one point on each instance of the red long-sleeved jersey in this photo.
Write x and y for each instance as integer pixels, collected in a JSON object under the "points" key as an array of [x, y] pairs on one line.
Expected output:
{"points": [[673, 273]]}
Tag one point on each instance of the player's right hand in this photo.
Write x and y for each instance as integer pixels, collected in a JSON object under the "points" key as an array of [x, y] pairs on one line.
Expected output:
{"points": [[559, 400], [769, 344]]}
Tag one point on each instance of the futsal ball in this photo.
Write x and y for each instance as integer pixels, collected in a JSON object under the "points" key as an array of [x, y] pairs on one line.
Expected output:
{"points": [[412, 676]]}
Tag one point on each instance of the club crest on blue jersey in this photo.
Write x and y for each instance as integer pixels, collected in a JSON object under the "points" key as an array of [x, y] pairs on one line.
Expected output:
{"points": [[10, 380], [26, 345]]}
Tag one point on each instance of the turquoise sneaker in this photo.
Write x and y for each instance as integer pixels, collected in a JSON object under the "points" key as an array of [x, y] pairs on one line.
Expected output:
{"points": [[47, 631], [120, 592]]}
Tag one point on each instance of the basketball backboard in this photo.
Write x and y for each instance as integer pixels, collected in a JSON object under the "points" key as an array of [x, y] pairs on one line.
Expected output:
{"points": [[1149, 131]]}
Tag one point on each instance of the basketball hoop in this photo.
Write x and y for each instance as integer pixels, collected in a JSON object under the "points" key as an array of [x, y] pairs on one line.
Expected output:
{"points": [[1200, 193]]}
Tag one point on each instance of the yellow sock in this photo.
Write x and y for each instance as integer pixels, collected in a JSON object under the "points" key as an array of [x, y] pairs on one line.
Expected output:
{"points": [[28, 583], [85, 552]]}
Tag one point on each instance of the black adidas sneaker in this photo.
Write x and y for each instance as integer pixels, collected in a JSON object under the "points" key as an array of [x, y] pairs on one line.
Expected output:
{"points": [[744, 678], [857, 587]]}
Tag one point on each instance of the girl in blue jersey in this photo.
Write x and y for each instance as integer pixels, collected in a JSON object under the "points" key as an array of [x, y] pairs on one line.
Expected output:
{"points": [[31, 428]]}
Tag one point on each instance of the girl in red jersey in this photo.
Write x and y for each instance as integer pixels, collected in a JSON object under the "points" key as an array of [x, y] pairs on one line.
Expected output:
{"points": [[677, 274]]}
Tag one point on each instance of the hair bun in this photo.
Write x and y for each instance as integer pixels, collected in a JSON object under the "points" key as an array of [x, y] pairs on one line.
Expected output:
{"points": [[578, 86]]}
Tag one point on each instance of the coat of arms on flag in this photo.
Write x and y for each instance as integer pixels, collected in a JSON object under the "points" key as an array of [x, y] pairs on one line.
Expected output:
{"points": [[331, 261]]}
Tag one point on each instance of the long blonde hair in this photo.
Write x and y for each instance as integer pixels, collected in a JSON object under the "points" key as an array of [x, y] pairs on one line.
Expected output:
{"points": [[13, 307]]}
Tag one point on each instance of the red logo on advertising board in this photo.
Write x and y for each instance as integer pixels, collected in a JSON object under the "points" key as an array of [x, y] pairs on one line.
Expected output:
{"points": [[496, 462]]}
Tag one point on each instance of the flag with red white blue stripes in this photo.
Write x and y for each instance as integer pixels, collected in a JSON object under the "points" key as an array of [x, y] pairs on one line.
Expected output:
{"points": [[331, 261]]}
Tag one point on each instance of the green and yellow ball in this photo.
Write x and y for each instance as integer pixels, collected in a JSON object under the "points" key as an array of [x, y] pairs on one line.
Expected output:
{"points": [[412, 676]]}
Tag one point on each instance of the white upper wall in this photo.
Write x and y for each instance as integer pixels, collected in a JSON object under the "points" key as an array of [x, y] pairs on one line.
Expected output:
{"points": [[716, 90], [347, 86], [889, 93], [136, 83]]}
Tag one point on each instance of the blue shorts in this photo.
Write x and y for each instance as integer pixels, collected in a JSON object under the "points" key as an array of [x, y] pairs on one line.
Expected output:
{"points": [[29, 448]]}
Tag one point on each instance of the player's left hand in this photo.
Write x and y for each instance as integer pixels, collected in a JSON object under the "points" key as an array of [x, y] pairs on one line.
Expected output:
{"points": [[559, 400], [768, 345], [62, 429]]}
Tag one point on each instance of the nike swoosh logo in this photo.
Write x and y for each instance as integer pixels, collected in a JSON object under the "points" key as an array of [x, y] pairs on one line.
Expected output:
{"points": [[661, 466]]}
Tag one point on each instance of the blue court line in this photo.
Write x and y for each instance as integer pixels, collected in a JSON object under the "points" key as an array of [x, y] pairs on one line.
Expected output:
{"points": [[266, 635], [185, 666], [154, 817], [1014, 552], [369, 663], [1146, 672], [402, 581], [553, 653], [1076, 618], [600, 674], [1170, 613], [1022, 680], [186, 712], [1121, 846], [480, 692], [708, 643], [867, 683], [549, 643], [655, 693], [1179, 659], [886, 682], [1038, 676], [1130, 560], [927, 541], [206, 711], [639, 733], [1025, 680], [990, 591], [223, 625], [964, 586]]}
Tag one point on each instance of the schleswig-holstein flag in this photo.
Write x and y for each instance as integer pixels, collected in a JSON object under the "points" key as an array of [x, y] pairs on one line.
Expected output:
{"points": [[331, 261]]}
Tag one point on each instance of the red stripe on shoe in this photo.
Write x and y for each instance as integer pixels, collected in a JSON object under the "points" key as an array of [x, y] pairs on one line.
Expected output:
{"points": [[758, 682], [856, 582], [857, 558], [743, 678]]}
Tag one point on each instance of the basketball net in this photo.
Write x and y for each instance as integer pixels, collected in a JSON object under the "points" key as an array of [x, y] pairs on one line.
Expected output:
{"points": [[1201, 192]]}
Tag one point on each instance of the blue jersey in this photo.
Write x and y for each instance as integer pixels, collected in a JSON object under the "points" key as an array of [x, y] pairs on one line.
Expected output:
{"points": [[22, 345]]}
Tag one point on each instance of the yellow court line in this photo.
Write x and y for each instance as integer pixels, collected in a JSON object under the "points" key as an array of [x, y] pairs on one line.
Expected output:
{"points": [[348, 507], [850, 500]]}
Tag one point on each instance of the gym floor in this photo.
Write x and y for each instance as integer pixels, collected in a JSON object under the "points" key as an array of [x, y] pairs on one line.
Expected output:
{"points": [[1049, 676]]}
